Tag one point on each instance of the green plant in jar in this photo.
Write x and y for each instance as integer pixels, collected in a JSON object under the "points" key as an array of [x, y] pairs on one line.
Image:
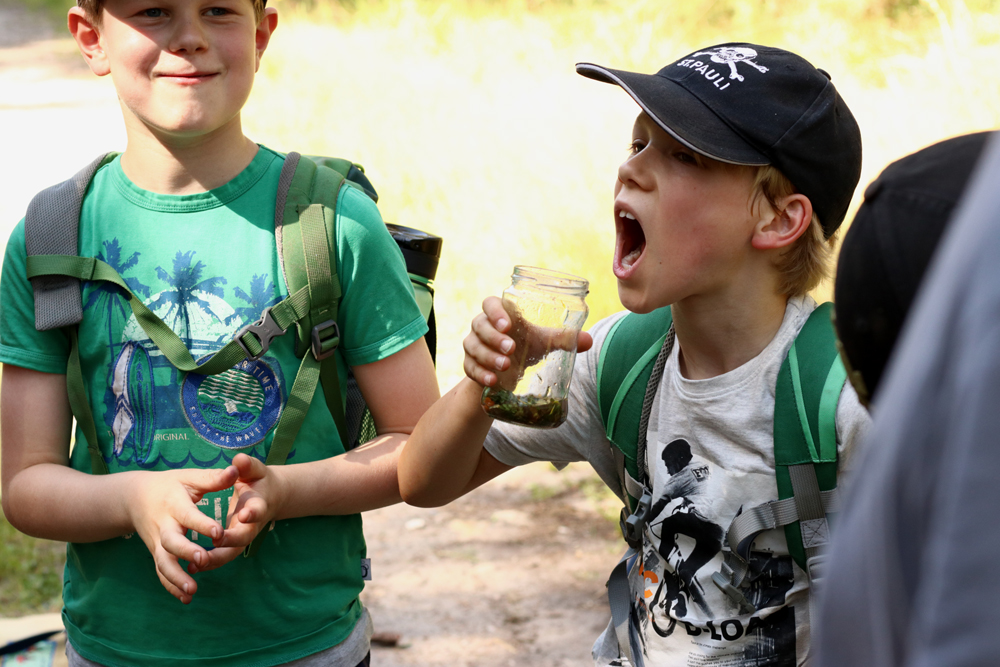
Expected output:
{"points": [[547, 310]]}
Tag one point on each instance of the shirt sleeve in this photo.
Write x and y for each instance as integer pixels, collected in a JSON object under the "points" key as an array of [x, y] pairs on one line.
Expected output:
{"points": [[853, 422], [378, 313], [20, 343]]}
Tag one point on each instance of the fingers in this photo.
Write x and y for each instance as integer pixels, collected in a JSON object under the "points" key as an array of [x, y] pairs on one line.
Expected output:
{"points": [[174, 547], [252, 508], [190, 518], [247, 516], [584, 342], [240, 533], [249, 468], [494, 310], [486, 351], [216, 558], [481, 363], [201, 482]]}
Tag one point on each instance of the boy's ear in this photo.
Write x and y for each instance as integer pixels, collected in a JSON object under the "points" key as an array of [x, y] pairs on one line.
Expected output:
{"points": [[264, 31], [88, 40], [782, 227]]}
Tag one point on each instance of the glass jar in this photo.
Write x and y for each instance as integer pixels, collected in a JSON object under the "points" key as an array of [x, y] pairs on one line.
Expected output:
{"points": [[547, 311]]}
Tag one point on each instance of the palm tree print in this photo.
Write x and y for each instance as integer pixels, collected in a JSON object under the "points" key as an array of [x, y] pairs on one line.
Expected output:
{"points": [[261, 296], [111, 297], [186, 283]]}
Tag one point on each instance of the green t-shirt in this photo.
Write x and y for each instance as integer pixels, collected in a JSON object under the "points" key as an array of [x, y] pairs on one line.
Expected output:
{"points": [[207, 265]]}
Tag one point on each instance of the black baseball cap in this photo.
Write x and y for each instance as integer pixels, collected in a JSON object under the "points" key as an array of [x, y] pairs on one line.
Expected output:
{"points": [[889, 245], [756, 105]]}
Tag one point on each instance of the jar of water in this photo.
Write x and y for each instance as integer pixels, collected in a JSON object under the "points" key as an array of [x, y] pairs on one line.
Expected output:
{"points": [[547, 310]]}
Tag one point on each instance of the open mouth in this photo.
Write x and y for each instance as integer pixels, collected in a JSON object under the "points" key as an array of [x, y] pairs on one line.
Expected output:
{"points": [[631, 242]]}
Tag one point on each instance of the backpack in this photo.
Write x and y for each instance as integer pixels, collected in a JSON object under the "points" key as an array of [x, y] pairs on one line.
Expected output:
{"points": [[808, 388], [305, 215]]}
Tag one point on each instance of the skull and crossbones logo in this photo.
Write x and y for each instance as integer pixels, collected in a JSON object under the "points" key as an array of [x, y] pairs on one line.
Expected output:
{"points": [[730, 55]]}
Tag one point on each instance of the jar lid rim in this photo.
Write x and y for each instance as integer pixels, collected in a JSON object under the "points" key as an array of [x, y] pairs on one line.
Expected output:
{"points": [[547, 276]]}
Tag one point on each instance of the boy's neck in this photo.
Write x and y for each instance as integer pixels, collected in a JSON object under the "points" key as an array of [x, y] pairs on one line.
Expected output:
{"points": [[178, 166], [721, 333]]}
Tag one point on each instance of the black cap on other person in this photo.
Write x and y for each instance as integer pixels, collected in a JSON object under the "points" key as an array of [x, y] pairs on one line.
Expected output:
{"points": [[889, 245], [756, 105]]}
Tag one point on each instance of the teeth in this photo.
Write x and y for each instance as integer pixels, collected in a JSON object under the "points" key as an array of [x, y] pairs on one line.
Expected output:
{"points": [[625, 214]]}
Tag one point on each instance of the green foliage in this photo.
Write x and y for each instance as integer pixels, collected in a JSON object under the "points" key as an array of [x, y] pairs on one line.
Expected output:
{"points": [[55, 9], [470, 120], [30, 573]]}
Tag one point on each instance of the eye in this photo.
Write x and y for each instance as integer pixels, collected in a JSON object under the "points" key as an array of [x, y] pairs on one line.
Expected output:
{"points": [[636, 146], [686, 157], [217, 11], [152, 12]]}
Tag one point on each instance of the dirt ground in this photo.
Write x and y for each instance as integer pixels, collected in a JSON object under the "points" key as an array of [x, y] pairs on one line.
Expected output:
{"points": [[512, 574]]}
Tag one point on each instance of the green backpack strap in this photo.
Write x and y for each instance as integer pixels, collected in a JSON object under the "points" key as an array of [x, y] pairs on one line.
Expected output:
{"points": [[629, 367], [805, 430], [305, 230], [624, 367], [805, 453]]}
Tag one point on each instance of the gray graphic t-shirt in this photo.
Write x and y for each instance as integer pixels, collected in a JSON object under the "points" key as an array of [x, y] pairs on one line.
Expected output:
{"points": [[710, 454]]}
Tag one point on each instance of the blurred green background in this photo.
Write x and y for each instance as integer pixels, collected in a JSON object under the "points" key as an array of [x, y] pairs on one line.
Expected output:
{"points": [[472, 124]]}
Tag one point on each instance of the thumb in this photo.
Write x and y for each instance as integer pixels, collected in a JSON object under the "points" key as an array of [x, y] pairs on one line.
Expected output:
{"points": [[248, 468], [201, 482]]}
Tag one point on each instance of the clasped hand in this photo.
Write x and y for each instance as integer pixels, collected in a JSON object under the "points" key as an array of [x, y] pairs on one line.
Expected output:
{"points": [[164, 510]]}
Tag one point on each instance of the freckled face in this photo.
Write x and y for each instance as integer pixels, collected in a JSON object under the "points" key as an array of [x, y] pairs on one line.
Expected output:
{"points": [[181, 67], [683, 221]]}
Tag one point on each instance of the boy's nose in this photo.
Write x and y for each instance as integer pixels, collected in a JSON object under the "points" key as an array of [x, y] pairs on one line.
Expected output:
{"points": [[627, 172], [188, 36]]}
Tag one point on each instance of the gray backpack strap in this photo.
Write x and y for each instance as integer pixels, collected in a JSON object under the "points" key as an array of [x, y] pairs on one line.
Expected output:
{"points": [[50, 228], [749, 524], [620, 599]]}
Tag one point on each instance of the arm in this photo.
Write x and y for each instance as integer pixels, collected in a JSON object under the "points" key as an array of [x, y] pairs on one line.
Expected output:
{"points": [[398, 390], [44, 497], [444, 458]]}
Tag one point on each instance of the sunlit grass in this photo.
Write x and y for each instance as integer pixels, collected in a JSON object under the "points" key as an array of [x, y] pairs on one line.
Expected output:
{"points": [[473, 125], [30, 573]]}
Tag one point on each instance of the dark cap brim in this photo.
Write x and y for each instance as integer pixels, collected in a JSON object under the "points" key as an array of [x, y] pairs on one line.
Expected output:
{"points": [[681, 115]]}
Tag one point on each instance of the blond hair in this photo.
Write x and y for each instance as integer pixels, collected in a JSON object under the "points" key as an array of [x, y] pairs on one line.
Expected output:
{"points": [[93, 9], [805, 263]]}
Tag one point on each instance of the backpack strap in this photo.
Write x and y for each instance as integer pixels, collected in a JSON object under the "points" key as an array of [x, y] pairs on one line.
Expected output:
{"points": [[625, 365], [305, 230], [808, 388], [250, 342], [805, 430], [629, 370], [50, 228]]}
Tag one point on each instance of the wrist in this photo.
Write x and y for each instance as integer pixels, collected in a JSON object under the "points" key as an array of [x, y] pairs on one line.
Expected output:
{"points": [[127, 488], [280, 491]]}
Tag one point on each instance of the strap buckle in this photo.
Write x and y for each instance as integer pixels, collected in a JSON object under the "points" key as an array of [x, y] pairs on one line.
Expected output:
{"points": [[816, 567], [325, 339], [724, 581], [264, 330], [633, 525]]}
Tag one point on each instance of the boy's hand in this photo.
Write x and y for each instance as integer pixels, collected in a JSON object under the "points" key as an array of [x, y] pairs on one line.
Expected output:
{"points": [[488, 347], [257, 494], [163, 508]]}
